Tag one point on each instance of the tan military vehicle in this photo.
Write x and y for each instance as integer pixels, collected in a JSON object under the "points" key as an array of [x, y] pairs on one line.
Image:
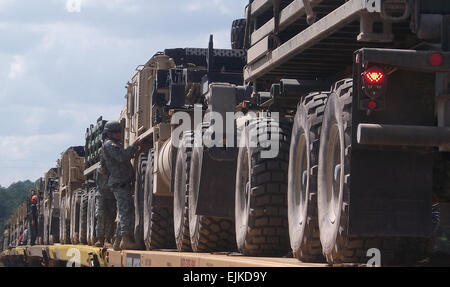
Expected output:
{"points": [[88, 221], [71, 179], [39, 191], [19, 222], [175, 81], [51, 207]]}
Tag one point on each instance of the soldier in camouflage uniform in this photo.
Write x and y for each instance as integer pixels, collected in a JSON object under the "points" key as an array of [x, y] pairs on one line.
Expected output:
{"points": [[105, 206], [121, 175]]}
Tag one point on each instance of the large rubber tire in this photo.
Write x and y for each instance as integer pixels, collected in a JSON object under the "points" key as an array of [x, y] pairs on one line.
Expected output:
{"points": [[158, 214], [181, 193], [334, 193], [75, 217], [238, 34], [304, 232], [93, 219], [67, 239], [72, 218], [91, 222], [54, 226], [88, 219], [261, 188], [40, 228], [139, 200], [61, 220], [46, 207], [54, 219], [333, 190], [64, 227], [207, 233], [83, 217]]}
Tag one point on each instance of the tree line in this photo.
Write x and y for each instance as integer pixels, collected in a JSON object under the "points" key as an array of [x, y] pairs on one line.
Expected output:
{"points": [[11, 198]]}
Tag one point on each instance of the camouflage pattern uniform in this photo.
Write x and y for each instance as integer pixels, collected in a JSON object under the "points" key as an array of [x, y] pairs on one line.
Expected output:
{"points": [[105, 205], [117, 161]]}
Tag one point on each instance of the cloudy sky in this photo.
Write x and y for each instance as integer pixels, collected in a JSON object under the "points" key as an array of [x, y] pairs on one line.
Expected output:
{"points": [[63, 63]]}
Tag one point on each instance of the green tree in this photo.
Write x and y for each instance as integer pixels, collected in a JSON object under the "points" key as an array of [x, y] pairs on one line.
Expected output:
{"points": [[11, 198]]}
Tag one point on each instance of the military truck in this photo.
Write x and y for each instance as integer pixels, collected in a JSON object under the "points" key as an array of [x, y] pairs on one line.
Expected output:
{"points": [[39, 191], [18, 223], [360, 89], [71, 179], [50, 204], [94, 141], [370, 120], [172, 81]]}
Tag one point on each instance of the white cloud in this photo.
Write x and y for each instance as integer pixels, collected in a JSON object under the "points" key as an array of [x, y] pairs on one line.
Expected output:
{"points": [[200, 5], [84, 114], [75, 36], [18, 67], [28, 157], [73, 6], [108, 3], [123, 5], [221, 39], [35, 117], [4, 4], [14, 148]]}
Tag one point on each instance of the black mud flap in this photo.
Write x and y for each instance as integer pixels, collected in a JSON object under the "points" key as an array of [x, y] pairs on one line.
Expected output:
{"points": [[217, 183], [391, 193]]}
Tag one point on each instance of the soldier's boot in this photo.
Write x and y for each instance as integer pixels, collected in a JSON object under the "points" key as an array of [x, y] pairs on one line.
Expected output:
{"points": [[116, 245], [128, 243], [100, 242]]}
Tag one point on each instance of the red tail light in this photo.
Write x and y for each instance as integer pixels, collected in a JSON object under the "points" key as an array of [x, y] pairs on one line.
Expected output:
{"points": [[374, 84], [436, 59], [372, 105], [374, 76]]}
